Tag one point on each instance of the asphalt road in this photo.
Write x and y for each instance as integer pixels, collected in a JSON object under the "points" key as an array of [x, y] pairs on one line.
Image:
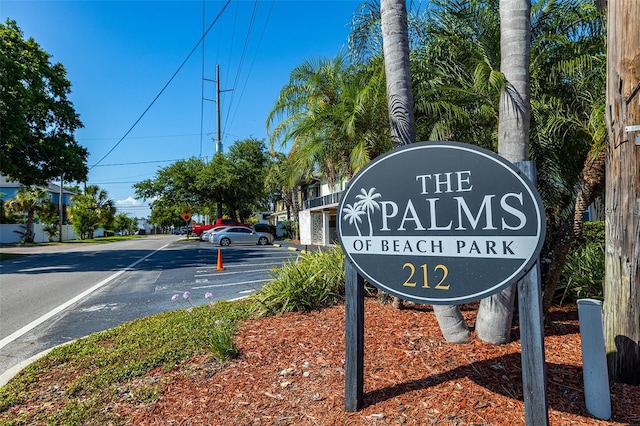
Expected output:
{"points": [[50, 298]]}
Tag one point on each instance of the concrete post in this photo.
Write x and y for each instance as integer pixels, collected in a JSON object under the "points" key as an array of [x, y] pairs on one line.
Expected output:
{"points": [[594, 360]]}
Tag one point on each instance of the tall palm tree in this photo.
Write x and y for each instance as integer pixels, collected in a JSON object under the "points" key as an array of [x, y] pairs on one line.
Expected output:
{"points": [[395, 41], [395, 36], [567, 63], [29, 201], [495, 314], [330, 114]]}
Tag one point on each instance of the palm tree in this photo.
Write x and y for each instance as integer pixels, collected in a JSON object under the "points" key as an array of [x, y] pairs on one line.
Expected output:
{"points": [[495, 314], [299, 107], [352, 214], [395, 40], [567, 57], [28, 201], [568, 110], [458, 83], [331, 114], [369, 204]]}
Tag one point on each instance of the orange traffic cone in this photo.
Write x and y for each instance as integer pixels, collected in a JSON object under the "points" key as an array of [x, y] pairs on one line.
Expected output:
{"points": [[219, 267]]}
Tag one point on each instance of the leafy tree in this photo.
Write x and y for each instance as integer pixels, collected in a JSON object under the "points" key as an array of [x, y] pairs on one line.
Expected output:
{"points": [[30, 202], [123, 222], [250, 162], [37, 120], [236, 179], [167, 214], [173, 188], [92, 209]]}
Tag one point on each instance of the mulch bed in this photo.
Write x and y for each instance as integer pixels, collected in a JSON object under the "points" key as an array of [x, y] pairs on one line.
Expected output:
{"points": [[291, 372]]}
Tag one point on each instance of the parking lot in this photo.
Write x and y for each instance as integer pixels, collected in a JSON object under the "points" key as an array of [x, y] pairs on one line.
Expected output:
{"points": [[244, 268]]}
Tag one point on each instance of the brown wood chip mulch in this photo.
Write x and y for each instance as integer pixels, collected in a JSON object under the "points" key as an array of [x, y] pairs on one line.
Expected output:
{"points": [[291, 372]]}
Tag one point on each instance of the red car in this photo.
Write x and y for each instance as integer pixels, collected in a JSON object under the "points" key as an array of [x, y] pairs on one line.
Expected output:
{"points": [[199, 229]]}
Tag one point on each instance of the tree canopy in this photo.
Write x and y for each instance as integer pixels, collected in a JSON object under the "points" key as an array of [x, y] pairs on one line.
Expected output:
{"points": [[234, 179], [457, 80], [92, 209], [37, 120]]}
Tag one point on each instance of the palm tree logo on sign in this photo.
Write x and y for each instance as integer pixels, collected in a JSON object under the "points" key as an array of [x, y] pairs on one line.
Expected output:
{"points": [[366, 205]]}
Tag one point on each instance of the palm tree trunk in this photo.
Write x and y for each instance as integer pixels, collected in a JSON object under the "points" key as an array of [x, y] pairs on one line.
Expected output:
{"points": [[395, 39], [495, 314]]}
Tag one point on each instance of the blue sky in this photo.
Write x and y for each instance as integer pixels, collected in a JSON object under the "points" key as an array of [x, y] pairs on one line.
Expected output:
{"points": [[120, 54]]}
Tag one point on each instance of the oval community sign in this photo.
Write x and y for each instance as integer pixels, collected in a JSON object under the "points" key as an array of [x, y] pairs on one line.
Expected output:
{"points": [[441, 223]]}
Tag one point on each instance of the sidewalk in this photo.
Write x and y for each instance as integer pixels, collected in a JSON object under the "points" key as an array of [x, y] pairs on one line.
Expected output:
{"points": [[39, 248], [52, 247]]}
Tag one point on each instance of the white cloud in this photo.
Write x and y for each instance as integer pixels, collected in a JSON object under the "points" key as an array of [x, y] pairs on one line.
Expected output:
{"points": [[129, 202]]}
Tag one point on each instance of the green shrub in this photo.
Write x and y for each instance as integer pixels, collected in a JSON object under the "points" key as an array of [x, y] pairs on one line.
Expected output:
{"points": [[221, 340], [583, 273], [313, 281]]}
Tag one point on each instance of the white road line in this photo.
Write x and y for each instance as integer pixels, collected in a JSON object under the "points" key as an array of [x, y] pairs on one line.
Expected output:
{"points": [[227, 285], [231, 273], [18, 333]]}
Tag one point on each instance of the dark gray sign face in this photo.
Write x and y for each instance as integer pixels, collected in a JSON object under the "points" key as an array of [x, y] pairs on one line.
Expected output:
{"points": [[441, 223]]}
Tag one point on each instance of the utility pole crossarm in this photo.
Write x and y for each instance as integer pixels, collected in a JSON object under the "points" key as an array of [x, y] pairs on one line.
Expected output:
{"points": [[217, 102]]}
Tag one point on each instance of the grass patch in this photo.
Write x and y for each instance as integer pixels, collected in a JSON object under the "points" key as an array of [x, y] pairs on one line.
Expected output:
{"points": [[102, 240], [95, 367]]}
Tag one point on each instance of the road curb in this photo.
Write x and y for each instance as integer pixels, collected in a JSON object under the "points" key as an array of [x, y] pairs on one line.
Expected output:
{"points": [[13, 371]]}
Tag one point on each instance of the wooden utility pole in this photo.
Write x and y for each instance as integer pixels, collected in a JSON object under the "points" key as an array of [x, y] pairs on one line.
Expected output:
{"points": [[621, 307]]}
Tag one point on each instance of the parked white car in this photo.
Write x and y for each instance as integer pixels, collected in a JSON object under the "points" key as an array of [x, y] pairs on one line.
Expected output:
{"points": [[205, 235], [241, 235]]}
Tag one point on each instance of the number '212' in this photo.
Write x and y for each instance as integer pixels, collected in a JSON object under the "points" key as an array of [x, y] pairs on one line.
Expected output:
{"points": [[425, 277]]}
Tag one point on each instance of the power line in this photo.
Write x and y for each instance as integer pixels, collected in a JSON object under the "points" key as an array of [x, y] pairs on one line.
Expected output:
{"points": [[139, 137], [137, 162], [252, 62], [165, 86]]}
